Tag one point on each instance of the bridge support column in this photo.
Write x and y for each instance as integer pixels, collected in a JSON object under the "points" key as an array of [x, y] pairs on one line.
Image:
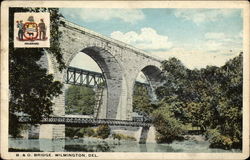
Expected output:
{"points": [[151, 138], [147, 135], [52, 131], [122, 107], [128, 109], [144, 135], [103, 108]]}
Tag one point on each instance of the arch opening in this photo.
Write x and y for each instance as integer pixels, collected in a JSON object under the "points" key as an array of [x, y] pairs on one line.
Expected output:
{"points": [[153, 74], [144, 97], [93, 74]]}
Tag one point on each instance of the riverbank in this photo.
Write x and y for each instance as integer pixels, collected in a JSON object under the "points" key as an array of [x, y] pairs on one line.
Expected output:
{"points": [[194, 145]]}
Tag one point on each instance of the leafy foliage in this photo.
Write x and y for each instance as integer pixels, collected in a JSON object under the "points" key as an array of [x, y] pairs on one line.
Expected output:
{"points": [[167, 126], [79, 132], [71, 131], [103, 131], [79, 100], [218, 140], [210, 98], [31, 88], [142, 100]]}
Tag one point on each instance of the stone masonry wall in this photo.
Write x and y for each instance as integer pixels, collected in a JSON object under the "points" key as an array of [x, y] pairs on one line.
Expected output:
{"points": [[119, 62]]}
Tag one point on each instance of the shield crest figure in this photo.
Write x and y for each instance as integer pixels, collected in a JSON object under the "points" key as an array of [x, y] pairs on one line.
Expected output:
{"points": [[30, 29]]}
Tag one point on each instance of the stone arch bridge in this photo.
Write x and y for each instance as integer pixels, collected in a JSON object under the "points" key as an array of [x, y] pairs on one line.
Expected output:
{"points": [[120, 64]]}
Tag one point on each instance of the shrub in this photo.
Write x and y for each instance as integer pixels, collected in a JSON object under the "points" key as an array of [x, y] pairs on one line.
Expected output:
{"points": [[120, 136], [70, 131], [79, 134], [90, 132], [217, 140], [103, 131], [167, 126]]}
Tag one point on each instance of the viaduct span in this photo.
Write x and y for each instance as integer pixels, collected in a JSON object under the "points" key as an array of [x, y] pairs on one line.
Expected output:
{"points": [[120, 64]]}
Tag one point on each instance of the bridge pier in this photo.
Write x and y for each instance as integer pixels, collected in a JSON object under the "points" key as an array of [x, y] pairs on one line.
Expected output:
{"points": [[147, 135], [143, 135], [122, 113], [52, 131], [103, 107], [151, 135]]}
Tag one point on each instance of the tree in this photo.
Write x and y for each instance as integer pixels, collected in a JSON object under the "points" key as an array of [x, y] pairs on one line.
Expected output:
{"points": [[167, 126], [79, 100], [142, 100], [31, 88], [174, 91], [210, 98], [230, 102]]}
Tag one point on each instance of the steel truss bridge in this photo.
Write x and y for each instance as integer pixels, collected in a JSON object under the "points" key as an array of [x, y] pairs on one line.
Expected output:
{"points": [[77, 76], [75, 121], [82, 77]]}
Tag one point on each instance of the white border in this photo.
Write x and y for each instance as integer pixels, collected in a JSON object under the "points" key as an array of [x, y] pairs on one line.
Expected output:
{"points": [[126, 4]]}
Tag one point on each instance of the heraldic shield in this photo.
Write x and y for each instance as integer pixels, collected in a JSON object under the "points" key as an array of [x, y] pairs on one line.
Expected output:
{"points": [[31, 30]]}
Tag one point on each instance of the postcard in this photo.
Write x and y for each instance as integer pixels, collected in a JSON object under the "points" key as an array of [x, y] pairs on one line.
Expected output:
{"points": [[125, 80]]}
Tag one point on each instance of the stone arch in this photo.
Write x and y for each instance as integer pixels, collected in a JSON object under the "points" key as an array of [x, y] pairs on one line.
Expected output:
{"points": [[153, 76], [112, 72], [152, 73]]}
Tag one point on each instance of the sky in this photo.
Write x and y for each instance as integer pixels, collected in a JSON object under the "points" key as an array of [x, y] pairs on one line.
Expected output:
{"points": [[198, 37]]}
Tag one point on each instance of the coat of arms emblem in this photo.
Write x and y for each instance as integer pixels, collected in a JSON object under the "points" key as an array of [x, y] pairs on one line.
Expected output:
{"points": [[31, 30]]}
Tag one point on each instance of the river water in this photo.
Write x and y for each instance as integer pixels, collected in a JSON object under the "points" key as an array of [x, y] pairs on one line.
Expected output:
{"points": [[110, 145]]}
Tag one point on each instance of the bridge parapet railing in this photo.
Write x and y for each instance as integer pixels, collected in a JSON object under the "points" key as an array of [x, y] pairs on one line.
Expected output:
{"points": [[79, 121]]}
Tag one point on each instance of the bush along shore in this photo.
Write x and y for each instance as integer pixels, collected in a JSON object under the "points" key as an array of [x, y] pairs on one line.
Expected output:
{"points": [[101, 132]]}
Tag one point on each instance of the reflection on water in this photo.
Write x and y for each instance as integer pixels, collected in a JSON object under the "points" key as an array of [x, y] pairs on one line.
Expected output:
{"points": [[110, 145]]}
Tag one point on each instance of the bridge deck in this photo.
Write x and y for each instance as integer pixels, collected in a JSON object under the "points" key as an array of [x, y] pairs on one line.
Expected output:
{"points": [[73, 121]]}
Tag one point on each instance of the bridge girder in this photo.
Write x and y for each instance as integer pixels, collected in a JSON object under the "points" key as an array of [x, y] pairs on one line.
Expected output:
{"points": [[82, 77], [77, 76]]}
